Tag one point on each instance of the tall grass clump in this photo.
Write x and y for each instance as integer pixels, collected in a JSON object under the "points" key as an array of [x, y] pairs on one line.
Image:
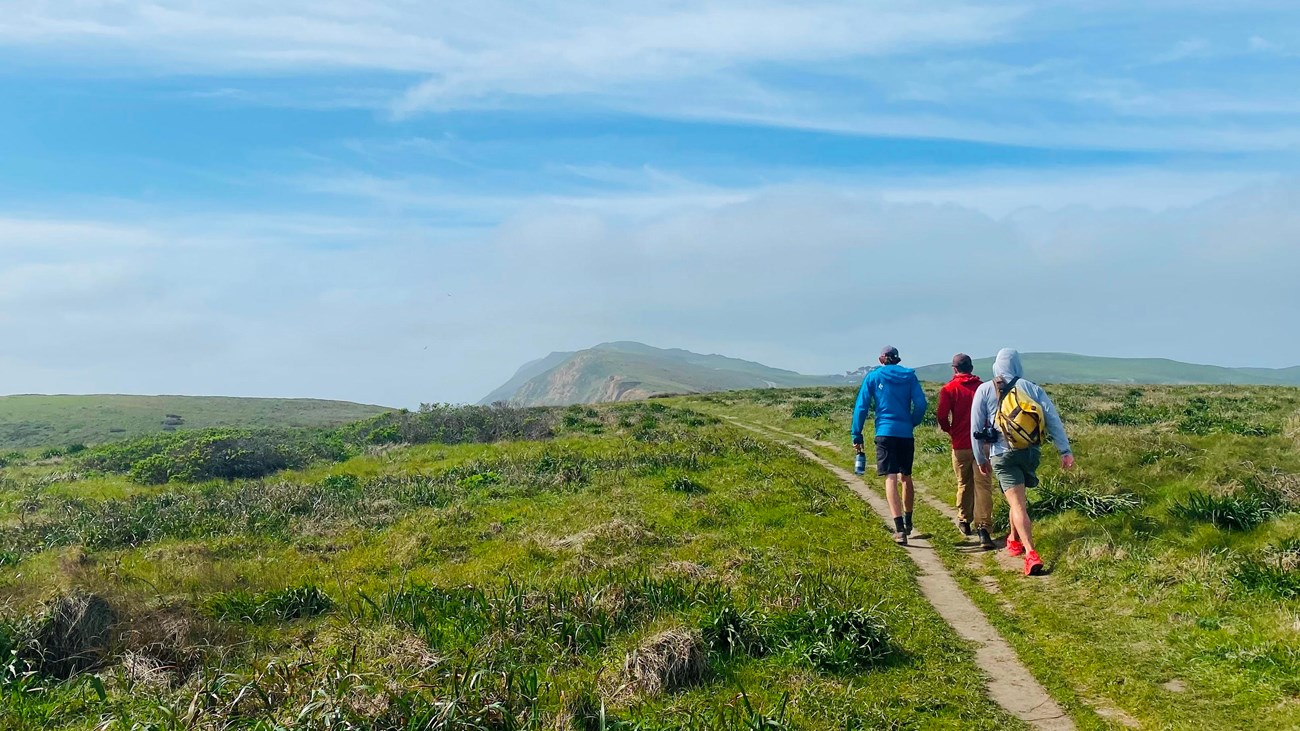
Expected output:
{"points": [[838, 641], [300, 602], [1202, 416], [1274, 572], [1132, 412], [1054, 497], [1252, 500]]}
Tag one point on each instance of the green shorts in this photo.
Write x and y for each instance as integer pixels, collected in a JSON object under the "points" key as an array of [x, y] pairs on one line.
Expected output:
{"points": [[1017, 467]]}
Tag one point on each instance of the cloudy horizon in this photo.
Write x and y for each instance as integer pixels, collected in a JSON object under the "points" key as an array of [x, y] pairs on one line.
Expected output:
{"points": [[394, 203]]}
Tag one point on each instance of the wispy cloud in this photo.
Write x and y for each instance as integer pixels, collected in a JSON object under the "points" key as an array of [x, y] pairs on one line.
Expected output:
{"points": [[1062, 74], [256, 305]]}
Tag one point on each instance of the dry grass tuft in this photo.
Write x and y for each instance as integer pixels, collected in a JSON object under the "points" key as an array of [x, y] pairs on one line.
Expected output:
{"points": [[666, 662], [172, 636], [73, 634], [147, 672], [1291, 428], [614, 533], [688, 569]]}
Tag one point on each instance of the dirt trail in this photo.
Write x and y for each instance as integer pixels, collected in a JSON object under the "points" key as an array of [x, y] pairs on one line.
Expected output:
{"points": [[1010, 684]]}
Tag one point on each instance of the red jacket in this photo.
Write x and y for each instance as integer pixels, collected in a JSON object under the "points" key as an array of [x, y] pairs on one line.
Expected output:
{"points": [[954, 408]]}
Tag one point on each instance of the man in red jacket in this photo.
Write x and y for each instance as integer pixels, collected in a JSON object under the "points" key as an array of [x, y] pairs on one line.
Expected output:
{"points": [[974, 490]]}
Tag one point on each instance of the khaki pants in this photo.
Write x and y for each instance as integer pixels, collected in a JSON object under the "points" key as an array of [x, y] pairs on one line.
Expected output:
{"points": [[974, 491]]}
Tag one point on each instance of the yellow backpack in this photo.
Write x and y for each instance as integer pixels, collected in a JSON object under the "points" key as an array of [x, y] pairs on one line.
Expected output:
{"points": [[1019, 417]]}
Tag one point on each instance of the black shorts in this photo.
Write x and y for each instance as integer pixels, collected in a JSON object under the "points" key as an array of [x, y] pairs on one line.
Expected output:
{"points": [[894, 455]]}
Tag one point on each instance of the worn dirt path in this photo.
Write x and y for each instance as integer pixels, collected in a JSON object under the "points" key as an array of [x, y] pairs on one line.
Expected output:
{"points": [[1010, 684]]}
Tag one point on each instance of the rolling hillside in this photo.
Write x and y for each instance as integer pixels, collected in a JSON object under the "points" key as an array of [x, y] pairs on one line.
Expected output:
{"points": [[627, 371], [1070, 368], [49, 421]]}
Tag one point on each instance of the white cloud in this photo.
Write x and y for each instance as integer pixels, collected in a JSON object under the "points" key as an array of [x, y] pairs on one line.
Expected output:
{"points": [[809, 277], [1060, 74]]}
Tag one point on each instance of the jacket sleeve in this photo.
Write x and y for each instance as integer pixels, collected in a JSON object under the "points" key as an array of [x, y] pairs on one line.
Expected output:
{"points": [[919, 403], [944, 412], [1055, 426], [862, 409], [979, 421]]}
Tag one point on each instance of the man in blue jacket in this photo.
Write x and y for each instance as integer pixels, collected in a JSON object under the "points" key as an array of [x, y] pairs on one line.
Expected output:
{"points": [[895, 394]]}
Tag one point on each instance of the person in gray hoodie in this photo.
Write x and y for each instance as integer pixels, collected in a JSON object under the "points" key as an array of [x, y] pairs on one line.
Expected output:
{"points": [[1016, 469]]}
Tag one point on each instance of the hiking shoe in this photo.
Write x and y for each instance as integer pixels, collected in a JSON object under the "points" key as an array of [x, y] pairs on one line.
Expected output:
{"points": [[1015, 548], [964, 527], [900, 538], [907, 527], [1033, 564], [986, 540]]}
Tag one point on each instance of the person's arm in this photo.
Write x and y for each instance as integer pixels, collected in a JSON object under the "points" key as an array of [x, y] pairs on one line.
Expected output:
{"points": [[1056, 428], [861, 409], [944, 411], [979, 421], [919, 403]]}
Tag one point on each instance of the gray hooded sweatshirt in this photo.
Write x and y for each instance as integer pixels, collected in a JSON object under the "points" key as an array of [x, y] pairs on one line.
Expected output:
{"points": [[1005, 367]]}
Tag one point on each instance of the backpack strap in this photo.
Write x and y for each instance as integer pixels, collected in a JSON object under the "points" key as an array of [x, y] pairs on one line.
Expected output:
{"points": [[1004, 389]]}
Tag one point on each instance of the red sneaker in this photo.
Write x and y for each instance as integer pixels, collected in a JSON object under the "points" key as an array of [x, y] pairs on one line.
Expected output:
{"points": [[1033, 564], [1015, 548]]}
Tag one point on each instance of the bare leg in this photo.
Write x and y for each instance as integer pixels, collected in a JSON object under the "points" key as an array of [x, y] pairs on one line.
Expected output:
{"points": [[1020, 523], [891, 494], [909, 492]]}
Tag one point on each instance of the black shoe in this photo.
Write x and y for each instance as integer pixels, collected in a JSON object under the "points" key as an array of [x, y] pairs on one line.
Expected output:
{"points": [[986, 541], [964, 527]]}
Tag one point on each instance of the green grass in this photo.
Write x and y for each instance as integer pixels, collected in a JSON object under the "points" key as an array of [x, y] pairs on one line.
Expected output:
{"points": [[454, 584], [1071, 368], [1174, 570], [49, 422], [488, 568]]}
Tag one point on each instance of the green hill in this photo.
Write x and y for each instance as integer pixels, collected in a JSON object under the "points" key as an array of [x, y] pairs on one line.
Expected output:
{"points": [[627, 371], [47, 421], [1070, 368]]}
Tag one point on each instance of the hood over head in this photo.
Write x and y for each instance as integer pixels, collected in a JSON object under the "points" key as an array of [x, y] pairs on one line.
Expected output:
{"points": [[1007, 365]]}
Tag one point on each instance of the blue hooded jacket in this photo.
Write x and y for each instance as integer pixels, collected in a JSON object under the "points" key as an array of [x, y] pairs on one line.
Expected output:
{"points": [[895, 394]]}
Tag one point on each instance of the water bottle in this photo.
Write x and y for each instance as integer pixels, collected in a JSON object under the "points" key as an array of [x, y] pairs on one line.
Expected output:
{"points": [[860, 464]]}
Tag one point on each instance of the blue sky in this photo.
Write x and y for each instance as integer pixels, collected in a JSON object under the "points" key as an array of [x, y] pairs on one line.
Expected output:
{"points": [[401, 202]]}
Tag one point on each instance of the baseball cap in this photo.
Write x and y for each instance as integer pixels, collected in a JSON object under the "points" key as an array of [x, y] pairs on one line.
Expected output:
{"points": [[889, 351]]}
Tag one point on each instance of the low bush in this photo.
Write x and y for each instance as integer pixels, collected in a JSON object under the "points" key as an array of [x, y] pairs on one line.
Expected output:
{"points": [[225, 454], [449, 424], [811, 409]]}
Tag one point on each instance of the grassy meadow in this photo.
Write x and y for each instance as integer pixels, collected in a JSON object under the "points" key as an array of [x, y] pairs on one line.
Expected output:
{"points": [[53, 423], [642, 566], [1174, 548]]}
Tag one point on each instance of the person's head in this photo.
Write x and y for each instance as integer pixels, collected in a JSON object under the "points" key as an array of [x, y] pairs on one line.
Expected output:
{"points": [[889, 355], [961, 364], [1007, 365]]}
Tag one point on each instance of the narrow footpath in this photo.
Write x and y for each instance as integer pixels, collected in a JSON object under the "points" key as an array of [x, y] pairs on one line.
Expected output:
{"points": [[1010, 684]]}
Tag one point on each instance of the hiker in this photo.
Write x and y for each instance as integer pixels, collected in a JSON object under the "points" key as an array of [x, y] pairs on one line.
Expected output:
{"points": [[974, 488], [895, 393], [1010, 417]]}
